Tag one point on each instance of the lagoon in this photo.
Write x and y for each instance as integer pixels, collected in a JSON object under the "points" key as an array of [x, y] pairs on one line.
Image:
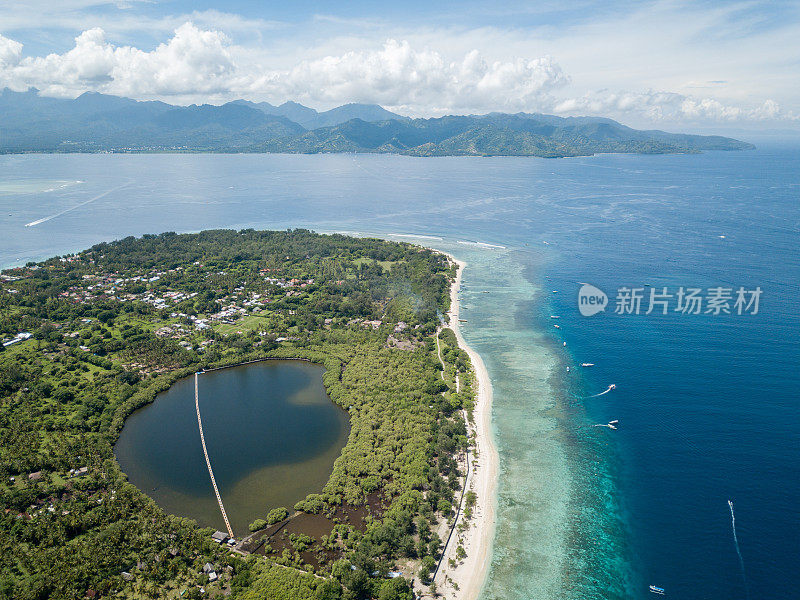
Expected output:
{"points": [[272, 434]]}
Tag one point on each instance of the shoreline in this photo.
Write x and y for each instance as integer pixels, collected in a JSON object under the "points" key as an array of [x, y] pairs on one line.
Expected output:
{"points": [[470, 575]]}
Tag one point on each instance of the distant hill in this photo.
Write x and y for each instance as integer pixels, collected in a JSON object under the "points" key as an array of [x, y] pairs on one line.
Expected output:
{"points": [[311, 119], [97, 123], [496, 135]]}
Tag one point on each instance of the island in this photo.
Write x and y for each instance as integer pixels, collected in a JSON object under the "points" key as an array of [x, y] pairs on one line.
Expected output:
{"points": [[95, 122], [89, 338]]}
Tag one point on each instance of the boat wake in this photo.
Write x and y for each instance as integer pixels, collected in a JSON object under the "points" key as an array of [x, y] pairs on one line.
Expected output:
{"points": [[71, 208], [738, 551], [611, 424], [613, 386], [62, 186]]}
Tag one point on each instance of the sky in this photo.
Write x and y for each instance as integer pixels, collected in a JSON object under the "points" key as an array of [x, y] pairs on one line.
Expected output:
{"points": [[716, 65]]}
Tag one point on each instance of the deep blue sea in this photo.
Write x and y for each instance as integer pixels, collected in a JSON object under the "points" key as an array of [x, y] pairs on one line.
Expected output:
{"points": [[707, 405]]}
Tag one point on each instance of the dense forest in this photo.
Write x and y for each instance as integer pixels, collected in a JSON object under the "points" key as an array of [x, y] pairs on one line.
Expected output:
{"points": [[89, 338]]}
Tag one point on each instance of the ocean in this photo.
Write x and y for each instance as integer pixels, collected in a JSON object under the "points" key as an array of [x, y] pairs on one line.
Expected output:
{"points": [[705, 404]]}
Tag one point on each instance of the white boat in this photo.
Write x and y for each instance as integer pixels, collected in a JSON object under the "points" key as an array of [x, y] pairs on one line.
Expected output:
{"points": [[587, 364], [657, 590], [557, 326], [554, 317]]}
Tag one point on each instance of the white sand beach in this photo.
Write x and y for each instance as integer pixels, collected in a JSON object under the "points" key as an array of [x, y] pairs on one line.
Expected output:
{"points": [[464, 582]]}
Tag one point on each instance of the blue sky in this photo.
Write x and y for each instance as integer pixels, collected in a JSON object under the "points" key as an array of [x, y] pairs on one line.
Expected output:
{"points": [[665, 63]]}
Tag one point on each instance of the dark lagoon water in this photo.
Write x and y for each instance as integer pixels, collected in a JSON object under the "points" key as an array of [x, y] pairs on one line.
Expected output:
{"points": [[707, 405], [271, 432]]}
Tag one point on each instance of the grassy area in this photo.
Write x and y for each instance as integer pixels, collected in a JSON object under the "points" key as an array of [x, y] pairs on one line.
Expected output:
{"points": [[385, 264], [246, 324]]}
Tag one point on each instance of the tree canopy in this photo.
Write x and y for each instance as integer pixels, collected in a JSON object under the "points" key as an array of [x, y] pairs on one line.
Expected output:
{"points": [[91, 337]]}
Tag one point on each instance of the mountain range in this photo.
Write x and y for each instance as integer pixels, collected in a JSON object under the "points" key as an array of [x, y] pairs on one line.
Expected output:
{"points": [[96, 122]]}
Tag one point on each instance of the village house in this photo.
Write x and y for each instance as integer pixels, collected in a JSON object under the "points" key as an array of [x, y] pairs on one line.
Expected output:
{"points": [[219, 537], [209, 570], [79, 472], [20, 337]]}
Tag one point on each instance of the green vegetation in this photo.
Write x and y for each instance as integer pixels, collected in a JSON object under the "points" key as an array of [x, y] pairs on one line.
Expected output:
{"points": [[257, 525], [469, 504], [496, 134], [94, 336], [276, 514], [32, 123], [457, 373], [272, 581]]}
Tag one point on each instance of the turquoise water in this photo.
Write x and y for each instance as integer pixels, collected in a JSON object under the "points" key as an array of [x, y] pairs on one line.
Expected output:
{"points": [[706, 405]]}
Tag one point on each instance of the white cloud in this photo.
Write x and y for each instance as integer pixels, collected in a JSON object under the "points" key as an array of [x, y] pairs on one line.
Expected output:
{"points": [[201, 65], [193, 61], [196, 62], [668, 107], [10, 53], [398, 75]]}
